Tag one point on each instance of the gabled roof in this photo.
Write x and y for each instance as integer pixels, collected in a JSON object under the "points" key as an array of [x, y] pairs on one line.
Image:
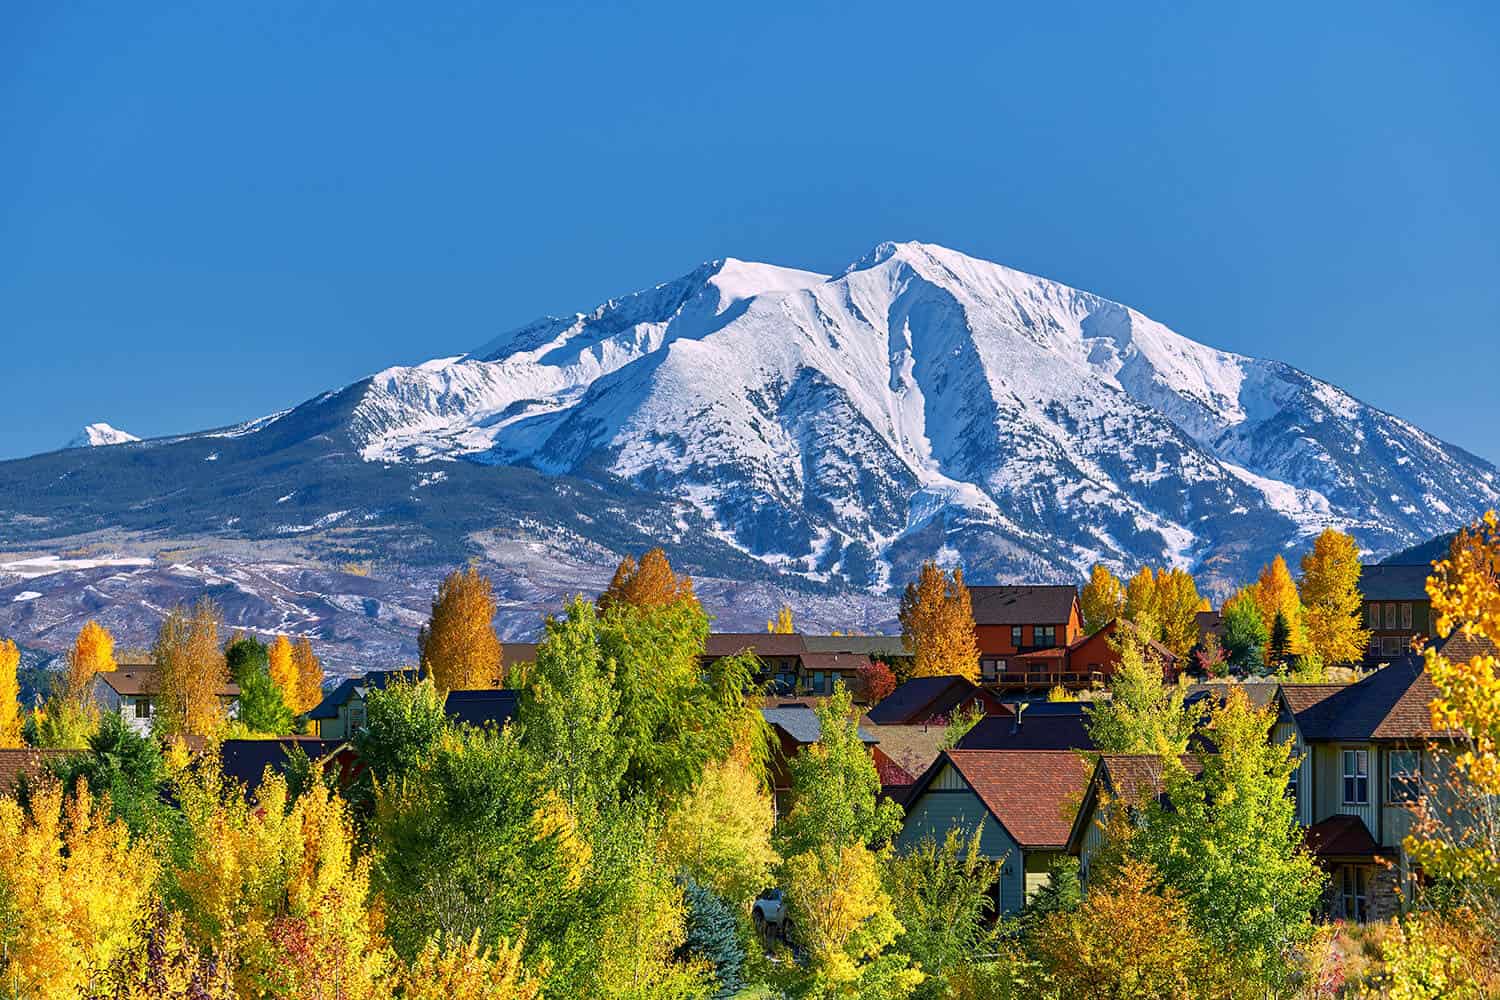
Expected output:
{"points": [[489, 706], [1260, 694], [1209, 622], [134, 681], [1341, 837], [28, 762], [760, 643], [1023, 605], [351, 687], [921, 698], [1129, 777], [1393, 703], [518, 652], [245, 761], [864, 645], [1394, 583], [1032, 793], [1162, 653], [800, 723], [1047, 729], [1460, 648]]}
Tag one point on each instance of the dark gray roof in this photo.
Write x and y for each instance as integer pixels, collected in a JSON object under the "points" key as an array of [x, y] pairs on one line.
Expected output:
{"points": [[800, 722], [1022, 605], [1259, 693], [864, 645], [1393, 703], [328, 708], [482, 707], [1044, 731], [1394, 583], [920, 698], [245, 761]]}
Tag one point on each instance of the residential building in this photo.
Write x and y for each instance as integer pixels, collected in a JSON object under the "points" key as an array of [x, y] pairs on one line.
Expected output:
{"points": [[1119, 782], [246, 762], [1397, 610], [1021, 801], [134, 691], [793, 663], [923, 699], [1091, 661], [795, 725], [1023, 632], [1038, 725], [28, 764], [341, 713]]}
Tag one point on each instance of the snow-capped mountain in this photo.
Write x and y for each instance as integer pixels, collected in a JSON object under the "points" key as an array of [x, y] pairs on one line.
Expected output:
{"points": [[96, 435], [924, 402]]}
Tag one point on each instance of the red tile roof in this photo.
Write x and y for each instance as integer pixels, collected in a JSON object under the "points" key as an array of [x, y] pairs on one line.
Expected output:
{"points": [[1034, 794]]}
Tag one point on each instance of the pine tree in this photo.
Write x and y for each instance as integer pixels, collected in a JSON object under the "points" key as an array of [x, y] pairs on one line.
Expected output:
{"points": [[1102, 599], [713, 936], [1279, 648], [1276, 591], [1245, 632], [651, 583], [1330, 593], [459, 648], [937, 621]]}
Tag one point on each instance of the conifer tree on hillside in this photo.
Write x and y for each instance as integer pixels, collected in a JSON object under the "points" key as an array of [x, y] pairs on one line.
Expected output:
{"points": [[1330, 594], [459, 648], [1102, 599], [651, 583], [937, 622]]}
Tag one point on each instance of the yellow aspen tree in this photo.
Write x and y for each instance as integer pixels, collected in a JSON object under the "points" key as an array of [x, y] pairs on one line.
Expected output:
{"points": [[75, 890], [782, 623], [10, 694], [471, 972], [308, 690], [1102, 599], [1142, 605], [651, 583], [1331, 597], [937, 622], [283, 668], [1275, 590], [1177, 603], [459, 648], [93, 652], [193, 670]]}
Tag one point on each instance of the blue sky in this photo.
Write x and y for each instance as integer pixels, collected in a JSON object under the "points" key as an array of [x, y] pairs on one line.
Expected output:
{"points": [[208, 214]]}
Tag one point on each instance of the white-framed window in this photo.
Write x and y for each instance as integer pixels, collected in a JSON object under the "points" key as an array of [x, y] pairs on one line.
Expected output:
{"points": [[1390, 616], [1356, 777], [143, 708], [1015, 636], [1354, 891], [1406, 616], [1404, 775], [990, 669], [1294, 783]]}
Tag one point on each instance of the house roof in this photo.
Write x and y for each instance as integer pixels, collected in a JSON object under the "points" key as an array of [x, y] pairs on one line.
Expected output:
{"points": [[1162, 653], [1340, 837], [1033, 794], [1132, 778], [1044, 730], [29, 762], [800, 723], [1394, 583], [892, 774], [1460, 648], [245, 761], [518, 652], [760, 643], [1393, 703], [920, 698], [1022, 605], [1261, 694], [134, 681], [495, 706], [913, 747], [864, 645], [346, 689], [834, 661], [1209, 621]]}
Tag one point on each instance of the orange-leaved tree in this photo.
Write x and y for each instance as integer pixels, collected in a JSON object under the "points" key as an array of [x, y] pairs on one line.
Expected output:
{"points": [[651, 583], [1276, 593], [458, 645], [93, 653], [308, 690], [283, 668], [782, 623], [937, 622], [10, 694]]}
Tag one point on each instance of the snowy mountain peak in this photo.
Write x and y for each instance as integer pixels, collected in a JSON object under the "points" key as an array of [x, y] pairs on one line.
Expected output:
{"points": [[96, 435]]}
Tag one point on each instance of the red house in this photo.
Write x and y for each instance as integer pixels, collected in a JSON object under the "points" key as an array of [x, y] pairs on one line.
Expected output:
{"points": [[1024, 632]]}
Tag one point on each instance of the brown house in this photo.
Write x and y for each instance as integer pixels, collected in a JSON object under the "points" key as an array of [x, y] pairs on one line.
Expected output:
{"points": [[1023, 631], [1092, 660], [1396, 609]]}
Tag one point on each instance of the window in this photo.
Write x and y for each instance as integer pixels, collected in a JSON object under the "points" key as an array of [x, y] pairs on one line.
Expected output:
{"points": [[1405, 772], [1390, 645], [1390, 616], [143, 708], [1355, 891], [1406, 616], [991, 669], [1046, 635], [1294, 783], [1356, 777], [820, 683], [1374, 610], [1015, 637]]}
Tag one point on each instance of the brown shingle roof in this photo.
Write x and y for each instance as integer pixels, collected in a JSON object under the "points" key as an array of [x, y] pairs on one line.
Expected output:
{"points": [[1340, 837], [1393, 703], [28, 761], [1034, 794], [834, 661], [147, 681], [1025, 605], [1460, 648], [1137, 776], [760, 643], [518, 652]]}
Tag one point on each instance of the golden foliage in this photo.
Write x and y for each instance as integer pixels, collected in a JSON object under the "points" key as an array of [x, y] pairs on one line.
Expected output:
{"points": [[1439, 957], [1141, 604], [304, 697], [1102, 599], [782, 623], [283, 667], [1275, 590], [651, 583], [10, 694], [1164, 604], [937, 622], [74, 890], [720, 834], [93, 652], [459, 648], [1330, 595], [193, 670], [469, 972]]}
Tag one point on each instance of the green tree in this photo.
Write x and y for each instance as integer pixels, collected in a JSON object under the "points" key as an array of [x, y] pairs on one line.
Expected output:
{"points": [[1231, 845], [943, 896], [263, 709], [1245, 631], [1279, 649], [713, 936], [1143, 714], [128, 768]]}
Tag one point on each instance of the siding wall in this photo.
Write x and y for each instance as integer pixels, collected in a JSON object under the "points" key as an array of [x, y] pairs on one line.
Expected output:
{"points": [[949, 802], [1328, 784], [1281, 733]]}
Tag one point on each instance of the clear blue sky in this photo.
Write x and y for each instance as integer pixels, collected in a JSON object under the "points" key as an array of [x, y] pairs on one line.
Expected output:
{"points": [[207, 214]]}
